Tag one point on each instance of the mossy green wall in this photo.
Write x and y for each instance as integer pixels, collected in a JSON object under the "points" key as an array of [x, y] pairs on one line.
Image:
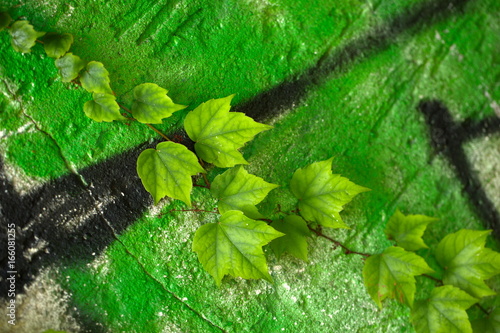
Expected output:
{"points": [[361, 69]]}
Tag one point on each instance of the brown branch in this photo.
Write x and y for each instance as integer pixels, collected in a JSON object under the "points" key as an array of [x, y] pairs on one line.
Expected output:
{"points": [[337, 243]]}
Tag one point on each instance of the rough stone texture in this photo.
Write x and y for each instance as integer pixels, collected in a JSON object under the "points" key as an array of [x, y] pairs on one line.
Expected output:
{"points": [[403, 96]]}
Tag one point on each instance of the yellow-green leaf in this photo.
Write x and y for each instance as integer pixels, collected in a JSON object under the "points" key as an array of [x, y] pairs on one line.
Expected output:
{"points": [[295, 240], [236, 189], [95, 78], [391, 275], [167, 171], [103, 108], [467, 263], [56, 45], [219, 133], [234, 246], [443, 312], [23, 36], [322, 194], [407, 231], [69, 66], [151, 104]]}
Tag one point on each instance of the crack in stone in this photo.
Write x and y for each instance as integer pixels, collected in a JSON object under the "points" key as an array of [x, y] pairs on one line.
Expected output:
{"points": [[136, 259], [68, 164]]}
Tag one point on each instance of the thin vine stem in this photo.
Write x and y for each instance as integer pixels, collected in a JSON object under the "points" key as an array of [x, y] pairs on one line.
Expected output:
{"points": [[148, 125], [157, 131], [337, 243]]}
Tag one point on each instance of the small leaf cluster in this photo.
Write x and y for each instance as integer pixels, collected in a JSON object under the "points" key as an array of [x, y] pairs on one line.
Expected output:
{"points": [[465, 263]]}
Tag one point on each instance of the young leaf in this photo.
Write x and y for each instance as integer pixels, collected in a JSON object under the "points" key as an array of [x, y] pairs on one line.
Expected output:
{"points": [[5, 20], [167, 171], [151, 104], [23, 36], [69, 66], [95, 78], [443, 312], [467, 262], [219, 133], [294, 242], [490, 324], [234, 246], [407, 231], [236, 189], [391, 275], [56, 45], [322, 194], [103, 108]]}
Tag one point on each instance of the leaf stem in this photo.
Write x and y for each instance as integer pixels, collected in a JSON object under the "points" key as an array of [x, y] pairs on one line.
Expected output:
{"points": [[157, 131], [206, 180], [482, 309], [337, 243], [148, 125], [440, 282]]}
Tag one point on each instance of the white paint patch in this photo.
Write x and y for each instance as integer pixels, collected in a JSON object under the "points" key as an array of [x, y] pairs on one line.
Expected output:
{"points": [[45, 305]]}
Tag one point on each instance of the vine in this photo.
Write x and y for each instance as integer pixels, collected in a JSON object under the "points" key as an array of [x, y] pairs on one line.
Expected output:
{"points": [[233, 245]]}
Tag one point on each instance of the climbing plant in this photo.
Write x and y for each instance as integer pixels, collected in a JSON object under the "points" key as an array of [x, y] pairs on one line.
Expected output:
{"points": [[233, 245]]}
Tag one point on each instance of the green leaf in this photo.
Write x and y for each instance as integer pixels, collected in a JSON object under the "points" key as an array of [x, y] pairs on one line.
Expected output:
{"points": [[219, 133], [167, 171], [95, 78], [103, 108], [467, 262], [69, 66], [407, 231], [295, 240], [151, 104], [391, 275], [322, 194], [236, 189], [23, 36], [56, 45], [443, 312], [490, 324], [5, 20], [234, 246]]}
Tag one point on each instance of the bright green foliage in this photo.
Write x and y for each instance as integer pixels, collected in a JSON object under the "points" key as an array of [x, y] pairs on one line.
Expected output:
{"points": [[69, 66], [295, 240], [322, 194], [443, 312], [151, 104], [236, 189], [491, 324], [52, 331], [5, 20], [219, 133], [56, 45], [467, 262], [234, 246], [407, 231], [95, 78], [391, 275], [167, 171], [23, 36], [103, 108]]}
